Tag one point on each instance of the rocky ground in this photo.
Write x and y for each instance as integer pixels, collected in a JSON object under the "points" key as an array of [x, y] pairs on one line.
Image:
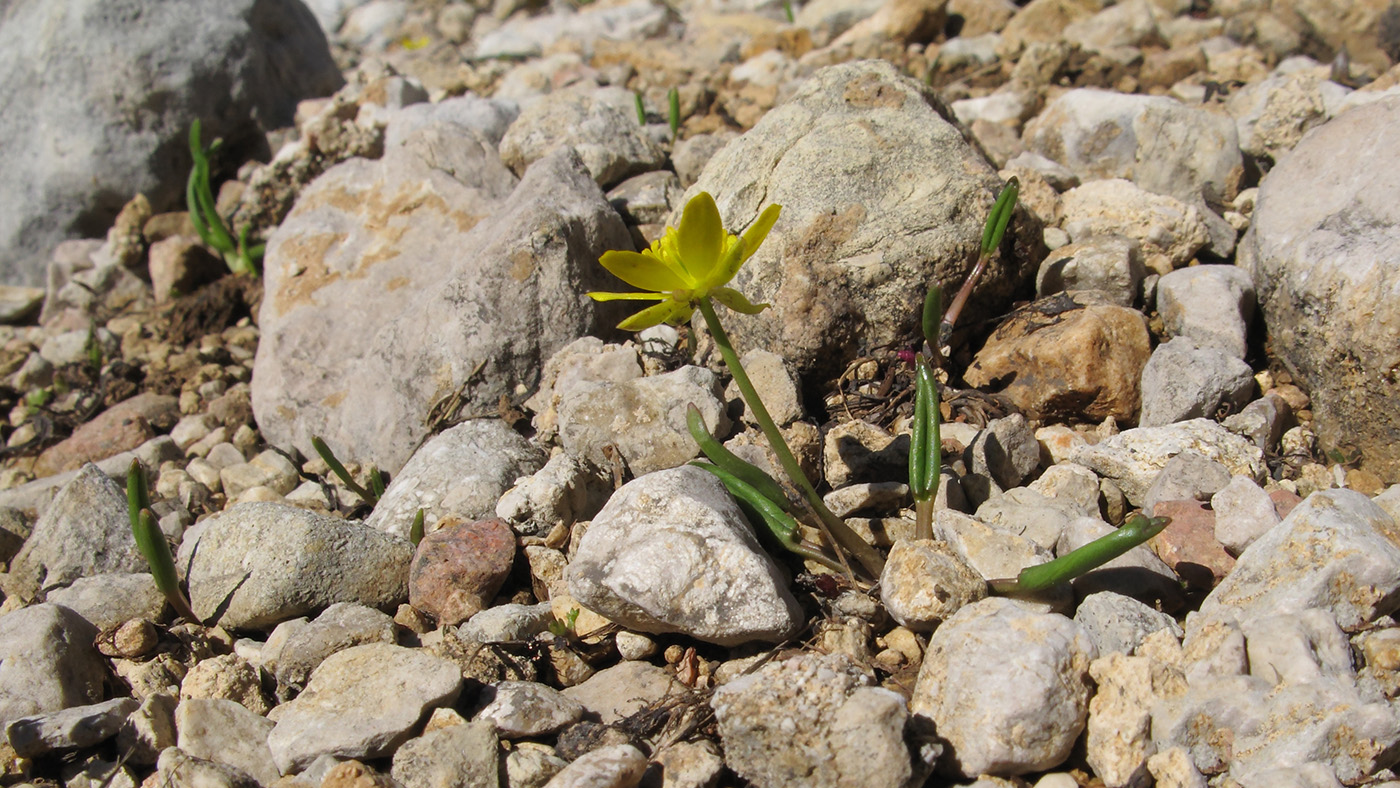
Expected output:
{"points": [[1193, 314]]}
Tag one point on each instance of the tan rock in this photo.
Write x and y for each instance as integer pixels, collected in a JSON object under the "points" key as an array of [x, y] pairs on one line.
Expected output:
{"points": [[1067, 356]]}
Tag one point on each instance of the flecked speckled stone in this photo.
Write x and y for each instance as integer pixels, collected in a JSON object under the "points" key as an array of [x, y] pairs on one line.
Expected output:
{"points": [[925, 582], [458, 569], [778, 723], [1337, 551], [1005, 716]]}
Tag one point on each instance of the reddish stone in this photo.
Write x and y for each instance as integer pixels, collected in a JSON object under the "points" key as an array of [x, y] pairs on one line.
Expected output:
{"points": [[1284, 501], [1189, 545], [123, 426], [458, 569]]}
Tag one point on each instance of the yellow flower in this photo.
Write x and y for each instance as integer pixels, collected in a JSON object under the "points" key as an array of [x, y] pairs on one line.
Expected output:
{"points": [[687, 264]]}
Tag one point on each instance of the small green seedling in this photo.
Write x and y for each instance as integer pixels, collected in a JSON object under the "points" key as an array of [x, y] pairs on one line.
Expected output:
{"points": [[641, 108], [415, 531], [376, 480], [787, 12], [673, 112], [199, 197], [566, 628], [37, 398], [1138, 529], [151, 542], [94, 351], [992, 234]]}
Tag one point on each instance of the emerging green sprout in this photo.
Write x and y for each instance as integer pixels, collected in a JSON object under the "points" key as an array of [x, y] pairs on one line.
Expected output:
{"points": [[925, 449], [415, 531], [641, 108], [151, 542], [685, 269], [239, 256], [1138, 529], [673, 112], [376, 480]]}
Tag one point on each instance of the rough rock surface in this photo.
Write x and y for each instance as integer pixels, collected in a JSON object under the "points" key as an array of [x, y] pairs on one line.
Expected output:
{"points": [[86, 138], [1323, 257], [682, 528], [434, 231], [855, 158], [361, 703], [813, 720], [1000, 716], [258, 564]]}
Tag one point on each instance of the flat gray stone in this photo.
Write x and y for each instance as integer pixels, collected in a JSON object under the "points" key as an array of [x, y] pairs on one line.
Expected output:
{"points": [[296, 647], [257, 564], [225, 732], [1116, 622], [119, 92], [1210, 304], [110, 599], [85, 531], [69, 729], [50, 662], [1185, 381], [361, 703]]}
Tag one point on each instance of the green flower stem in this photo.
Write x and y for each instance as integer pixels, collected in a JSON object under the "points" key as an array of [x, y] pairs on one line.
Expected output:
{"points": [[840, 533], [991, 239], [1137, 530]]}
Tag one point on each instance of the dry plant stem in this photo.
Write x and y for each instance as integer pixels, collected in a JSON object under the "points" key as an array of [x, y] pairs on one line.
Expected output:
{"points": [[923, 519], [841, 535], [950, 319]]}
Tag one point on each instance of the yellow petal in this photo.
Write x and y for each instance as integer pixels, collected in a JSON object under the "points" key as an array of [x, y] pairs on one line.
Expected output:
{"points": [[759, 230], [736, 254], [735, 300], [628, 296], [674, 312], [642, 271], [700, 238]]}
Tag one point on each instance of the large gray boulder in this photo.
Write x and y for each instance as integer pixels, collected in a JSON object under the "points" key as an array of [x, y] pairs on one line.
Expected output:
{"points": [[428, 276], [99, 96], [882, 197], [1321, 251]]}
